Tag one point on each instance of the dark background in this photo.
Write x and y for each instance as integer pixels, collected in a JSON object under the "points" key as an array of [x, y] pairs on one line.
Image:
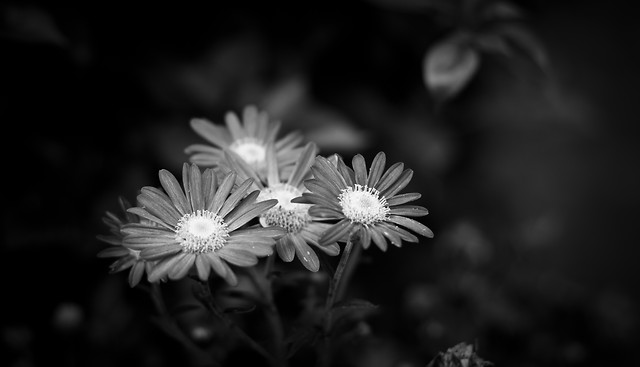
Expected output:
{"points": [[531, 179]]}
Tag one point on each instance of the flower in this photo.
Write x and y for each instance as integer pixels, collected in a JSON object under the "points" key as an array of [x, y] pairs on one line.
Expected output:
{"points": [[302, 229], [202, 226], [128, 258], [364, 204], [248, 138]]}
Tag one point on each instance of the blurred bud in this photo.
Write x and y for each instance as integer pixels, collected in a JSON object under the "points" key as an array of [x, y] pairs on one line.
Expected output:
{"points": [[67, 317], [460, 355]]}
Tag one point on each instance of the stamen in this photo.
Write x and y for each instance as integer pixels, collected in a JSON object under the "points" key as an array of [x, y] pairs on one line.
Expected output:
{"points": [[363, 204], [293, 217], [250, 149], [202, 231]]}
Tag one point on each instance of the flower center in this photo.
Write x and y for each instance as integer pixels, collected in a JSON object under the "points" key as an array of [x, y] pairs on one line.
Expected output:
{"points": [[290, 216], [250, 149], [363, 204], [202, 231]]}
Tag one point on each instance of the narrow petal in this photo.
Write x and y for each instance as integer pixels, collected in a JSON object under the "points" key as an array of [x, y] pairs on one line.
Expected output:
{"points": [[172, 188], [303, 165], [217, 135], [122, 264], [235, 197], [318, 187], [203, 267], [290, 141], [113, 252], [326, 201], [378, 238], [360, 169], [331, 250], [242, 168], [273, 176], [143, 230], [285, 248], [195, 185], [209, 185], [186, 185], [223, 191], [216, 263], [135, 274], [262, 126], [202, 149], [409, 210], [230, 276], [182, 266], [236, 219], [238, 257], [159, 205], [159, 252], [141, 243], [233, 123], [403, 198], [346, 172], [325, 171], [325, 213], [250, 119], [272, 132], [365, 237], [305, 254], [258, 232], [391, 235], [403, 233], [257, 248], [161, 269], [390, 176], [412, 224], [399, 184], [337, 232], [376, 169]]}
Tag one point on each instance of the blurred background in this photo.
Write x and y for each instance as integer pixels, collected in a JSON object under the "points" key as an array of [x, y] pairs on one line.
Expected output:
{"points": [[530, 173]]}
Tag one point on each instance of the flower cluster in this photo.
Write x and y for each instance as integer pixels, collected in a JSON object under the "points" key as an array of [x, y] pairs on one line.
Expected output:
{"points": [[257, 192]]}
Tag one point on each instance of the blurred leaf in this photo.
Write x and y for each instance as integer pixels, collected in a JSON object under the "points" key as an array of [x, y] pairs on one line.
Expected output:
{"points": [[500, 10], [30, 23], [354, 309], [449, 65], [525, 41], [300, 337]]}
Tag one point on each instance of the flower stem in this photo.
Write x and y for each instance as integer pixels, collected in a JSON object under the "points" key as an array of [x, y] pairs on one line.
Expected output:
{"points": [[215, 309], [264, 286], [338, 282]]}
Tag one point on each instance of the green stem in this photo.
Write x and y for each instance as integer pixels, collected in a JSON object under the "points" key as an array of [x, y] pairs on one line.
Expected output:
{"points": [[264, 285], [338, 281], [215, 309]]}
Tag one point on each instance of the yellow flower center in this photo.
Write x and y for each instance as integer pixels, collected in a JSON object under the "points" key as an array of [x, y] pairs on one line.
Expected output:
{"points": [[202, 231], [251, 150], [290, 216], [363, 204]]}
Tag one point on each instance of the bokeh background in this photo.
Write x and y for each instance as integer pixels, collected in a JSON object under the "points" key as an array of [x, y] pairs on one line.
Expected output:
{"points": [[531, 177]]}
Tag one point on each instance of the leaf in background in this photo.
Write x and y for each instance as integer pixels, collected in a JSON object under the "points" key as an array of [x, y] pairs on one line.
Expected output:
{"points": [[354, 309], [500, 10], [449, 65], [525, 41]]}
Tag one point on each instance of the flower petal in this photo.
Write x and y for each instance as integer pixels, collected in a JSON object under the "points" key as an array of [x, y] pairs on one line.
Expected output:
{"points": [[360, 169], [209, 185], [237, 218], [146, 215], [403, 198], [234, 126], [159, 252], [182, 266], [365, 237], [273, 176], [303, 165], [325, 213], [113, 252], [337, 232], [172, 188], [217, 135], [237, 257], [403, 233], [412, 224], [399, 184], [203, 267], [305, 254], [285, 248], [235, 198], [376, 169], [159, 205], [331, 250], [195, 188], [318, 188], [346, 172], [257, 248], [257, 232], [391, 235], [378, 238], [223, 191], [390, 176], [135, 274], [409, 210], [216, 263], [161, 269]]}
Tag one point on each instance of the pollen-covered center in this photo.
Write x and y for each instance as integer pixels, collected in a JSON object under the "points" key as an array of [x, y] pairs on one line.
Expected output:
{"points": [[363, 204], [251, 150], [290, 216], [202, 231]]}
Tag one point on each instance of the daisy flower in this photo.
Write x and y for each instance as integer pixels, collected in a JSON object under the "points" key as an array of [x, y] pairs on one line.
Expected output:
{"points": [[302, 229], [201, 227], [364, 204], [127, 258], [247, 137]]}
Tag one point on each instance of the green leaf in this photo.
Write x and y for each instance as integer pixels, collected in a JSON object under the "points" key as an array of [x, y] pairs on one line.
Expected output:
{"points": [[526, 42], [449, 65]]}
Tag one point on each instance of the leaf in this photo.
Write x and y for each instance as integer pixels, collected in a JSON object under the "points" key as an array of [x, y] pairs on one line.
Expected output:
{"points": [[354, 309], [524, 40], [300, 337], [449, 65]]}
